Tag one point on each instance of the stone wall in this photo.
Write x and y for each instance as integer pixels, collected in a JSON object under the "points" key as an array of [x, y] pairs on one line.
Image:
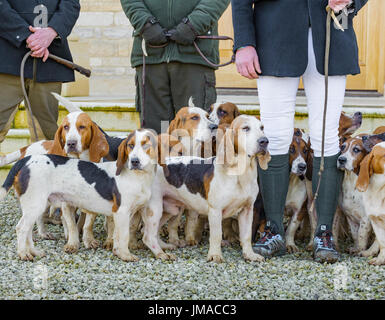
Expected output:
{"points": [[102, 40]]}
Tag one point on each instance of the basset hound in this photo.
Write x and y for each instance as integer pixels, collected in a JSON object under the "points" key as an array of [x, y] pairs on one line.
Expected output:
{"points": [[218, 187], [105, 188], [295, 206], [350, 201], [371, 182], [77, 137], [195, 131]]}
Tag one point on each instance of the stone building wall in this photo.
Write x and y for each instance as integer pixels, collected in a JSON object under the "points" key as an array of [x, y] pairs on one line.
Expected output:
{"points": [[102, 40]]}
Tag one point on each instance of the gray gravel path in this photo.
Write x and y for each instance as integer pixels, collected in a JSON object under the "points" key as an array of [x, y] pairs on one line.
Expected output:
{"points": [[97, 274]]}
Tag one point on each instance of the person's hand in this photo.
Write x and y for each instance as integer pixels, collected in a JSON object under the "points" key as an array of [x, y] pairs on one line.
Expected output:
{"points": [[43, 53], [247, 62], [40, 40], [183, 34], [338, 5], [154, 34]]}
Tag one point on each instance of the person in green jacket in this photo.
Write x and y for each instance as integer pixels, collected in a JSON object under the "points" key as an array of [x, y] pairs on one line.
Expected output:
{"points": [[174, 71]]}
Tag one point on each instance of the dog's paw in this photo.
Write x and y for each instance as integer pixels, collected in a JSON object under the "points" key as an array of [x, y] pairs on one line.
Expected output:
{"points": [[47, 236], [91, 244], [217, 258], [108, 244], [253, 257], [167, 246], [309, 247], [125, 255], [292, 248], [377, 261], [166, 256], [71, 248], [135, 245], [353, 250], [26, 256], [177, 242], [191, 242]]}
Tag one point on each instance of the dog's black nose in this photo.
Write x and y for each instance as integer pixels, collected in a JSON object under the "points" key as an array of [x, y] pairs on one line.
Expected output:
{"points": [[213, 126], [71, 144], [135, 162], [342, 160], [263, 142], [358, 114], [364, 138], [302, 167]]}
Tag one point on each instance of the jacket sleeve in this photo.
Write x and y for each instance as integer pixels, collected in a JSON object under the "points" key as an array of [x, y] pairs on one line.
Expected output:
{"points": [[12, 27], [64, 19], [137, 12], [243, 22], [206, 13]]}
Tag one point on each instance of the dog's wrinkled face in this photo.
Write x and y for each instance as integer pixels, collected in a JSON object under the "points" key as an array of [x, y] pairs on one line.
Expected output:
{"points": [[223, 113], [249, 136], [138, 151], [373, 163], [75, 133], [352, 153], [298, 153], [349, 124], [193, 122]]}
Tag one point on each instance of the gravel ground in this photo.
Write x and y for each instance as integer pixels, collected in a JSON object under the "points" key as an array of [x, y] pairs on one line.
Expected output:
{"points": [[97, 274]]}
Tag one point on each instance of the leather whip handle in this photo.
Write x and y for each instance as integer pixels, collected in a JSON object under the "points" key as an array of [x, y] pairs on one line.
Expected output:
{"points": [[71, 65]]}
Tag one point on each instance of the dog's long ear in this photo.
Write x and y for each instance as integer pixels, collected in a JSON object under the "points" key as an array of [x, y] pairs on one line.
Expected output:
{"points": [[99, 147], [263, 160], [58, 143], [122, 156], [226, 151], [236, 111], [309, 162], [174, 125], [366, 171]]}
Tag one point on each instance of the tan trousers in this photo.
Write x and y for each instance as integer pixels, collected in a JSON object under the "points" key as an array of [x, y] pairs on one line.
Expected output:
{"points": [[44, 105]]}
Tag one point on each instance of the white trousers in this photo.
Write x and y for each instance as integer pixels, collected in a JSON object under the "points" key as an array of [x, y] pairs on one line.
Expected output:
{"points": [[278, 97]]}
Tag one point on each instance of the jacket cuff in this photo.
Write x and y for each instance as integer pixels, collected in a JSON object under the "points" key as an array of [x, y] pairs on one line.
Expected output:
{"points": [[20, 38]]}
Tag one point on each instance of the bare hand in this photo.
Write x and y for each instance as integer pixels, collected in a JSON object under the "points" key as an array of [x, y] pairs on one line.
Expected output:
{"points": [[338, 5], [42, 53], [247, 62], [40, 39]]}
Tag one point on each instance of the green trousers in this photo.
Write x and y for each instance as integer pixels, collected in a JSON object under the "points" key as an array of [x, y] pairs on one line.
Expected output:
{"points": [[44, 105], [168, 87]]}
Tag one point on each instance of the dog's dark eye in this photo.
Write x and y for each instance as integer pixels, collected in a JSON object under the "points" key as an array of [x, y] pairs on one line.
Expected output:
{"points": [[356, 150], [222, 112], [131, 146], [195, 118], [66, 127], [343, 147], [180, 153], [82, 127], [292, 149], [246, 129], [304, 151], [262, 128]]}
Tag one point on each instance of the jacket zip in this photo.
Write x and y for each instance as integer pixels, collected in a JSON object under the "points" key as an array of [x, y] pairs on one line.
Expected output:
{"points": [[168, 48]]}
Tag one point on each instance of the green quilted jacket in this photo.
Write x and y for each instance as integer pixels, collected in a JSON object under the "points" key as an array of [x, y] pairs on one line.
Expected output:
{"points": [[203, 15]]}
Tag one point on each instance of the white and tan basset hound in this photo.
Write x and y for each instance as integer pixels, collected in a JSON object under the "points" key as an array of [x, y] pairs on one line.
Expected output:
{"points": [[371, 182], [105, 188], [350, 201], [218, 187]]}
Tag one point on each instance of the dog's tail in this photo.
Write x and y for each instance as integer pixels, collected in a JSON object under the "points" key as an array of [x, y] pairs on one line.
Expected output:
{"points": [[9, 158], [8, 183], [66, 103]]}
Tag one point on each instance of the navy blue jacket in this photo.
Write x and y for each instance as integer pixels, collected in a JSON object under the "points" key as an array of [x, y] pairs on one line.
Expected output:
{"points": [[16, 16], [278, 29]]}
